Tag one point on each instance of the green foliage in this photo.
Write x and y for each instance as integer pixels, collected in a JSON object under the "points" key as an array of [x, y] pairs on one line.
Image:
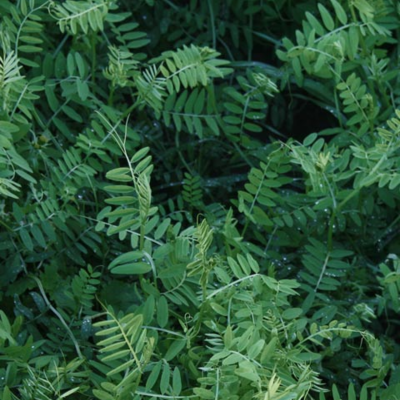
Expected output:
{"points": [[84, 15], [199, 200], [194, 111], [191, 67]]}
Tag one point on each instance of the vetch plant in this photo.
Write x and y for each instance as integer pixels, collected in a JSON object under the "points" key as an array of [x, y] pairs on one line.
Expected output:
{"points": [[199, 200]]}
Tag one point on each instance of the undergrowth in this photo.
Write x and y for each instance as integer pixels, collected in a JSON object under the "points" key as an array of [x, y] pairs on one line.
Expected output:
{"points": [[173, 225]]}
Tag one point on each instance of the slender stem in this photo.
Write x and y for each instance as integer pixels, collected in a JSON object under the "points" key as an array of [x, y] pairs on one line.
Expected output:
{"points": [[142, 235], [161, 396], [250, 49], [388, 229], [338, 113], [330, 231], [362, 41], [178, 149], [154, 328], [196, 328], [59, 316], [335, 211], [212, 22], [130, 109], [127, 341], [128, 230], [364, 55], [348, 198], [322, 331], [245, 158], [234, 283], [60, 46], [26, 18], [321, 275], [153, 267], [246, 225], [268, 38], [111, 96], [6, 226], [172, 5], [94, 56]]}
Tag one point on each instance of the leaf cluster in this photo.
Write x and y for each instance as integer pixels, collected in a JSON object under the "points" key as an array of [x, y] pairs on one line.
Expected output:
{"points": [[199, 200]]}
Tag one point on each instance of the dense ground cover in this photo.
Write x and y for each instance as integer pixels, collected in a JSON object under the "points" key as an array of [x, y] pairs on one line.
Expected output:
{"points": [[199, 199]]}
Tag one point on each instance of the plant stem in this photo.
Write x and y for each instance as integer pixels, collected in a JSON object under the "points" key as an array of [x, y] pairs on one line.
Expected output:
{"points": [[212, 22], [58, 315], [130, 109], [178, 149], [111, 96], [93, 49]]}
